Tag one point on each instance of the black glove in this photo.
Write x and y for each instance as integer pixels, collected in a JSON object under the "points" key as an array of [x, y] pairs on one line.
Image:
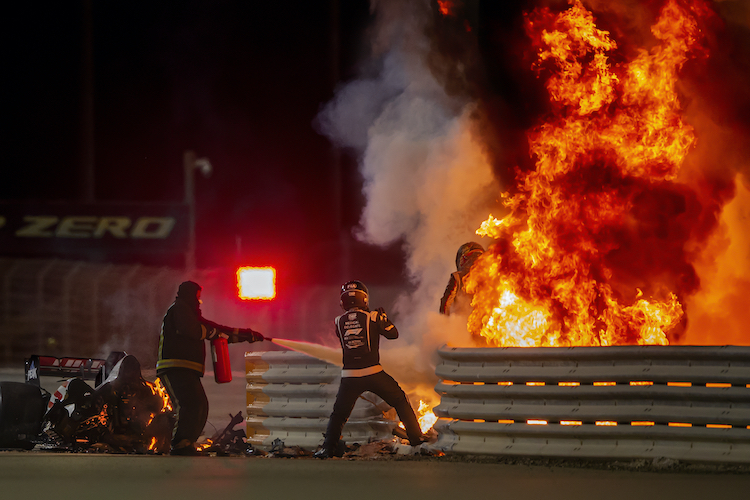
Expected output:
{"points": [[248, 335]]}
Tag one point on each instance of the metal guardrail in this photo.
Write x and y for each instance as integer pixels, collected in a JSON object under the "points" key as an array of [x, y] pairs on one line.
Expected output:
{"points": [[680, 402], [290, 397]]}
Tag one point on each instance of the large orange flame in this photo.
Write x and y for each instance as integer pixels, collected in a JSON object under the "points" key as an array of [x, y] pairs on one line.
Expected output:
{"points": [[546, 280], [425, 417]]}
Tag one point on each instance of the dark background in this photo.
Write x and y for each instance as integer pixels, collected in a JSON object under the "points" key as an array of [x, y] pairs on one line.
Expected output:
{"points": [[238, 82]]}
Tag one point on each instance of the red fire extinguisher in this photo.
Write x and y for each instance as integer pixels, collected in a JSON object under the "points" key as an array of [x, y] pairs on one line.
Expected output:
{"points": [[220, 355]]}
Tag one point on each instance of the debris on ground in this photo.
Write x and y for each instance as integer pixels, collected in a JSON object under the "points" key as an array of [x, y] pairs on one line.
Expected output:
{"points": [[370, 451], [230, 441], [279, 450]]}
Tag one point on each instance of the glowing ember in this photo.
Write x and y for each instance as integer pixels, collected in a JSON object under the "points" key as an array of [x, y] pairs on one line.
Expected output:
{"points": [[614, 132], [100, 419], [205, 445], [446, 7], [256, 283]]}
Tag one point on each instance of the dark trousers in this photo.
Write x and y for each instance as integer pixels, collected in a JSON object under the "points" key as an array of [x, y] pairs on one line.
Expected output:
{"points": [[189, 402], [384, 386]]}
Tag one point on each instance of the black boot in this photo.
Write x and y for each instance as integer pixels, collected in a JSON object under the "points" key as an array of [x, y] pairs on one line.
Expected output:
{"points": [[419, 440]]}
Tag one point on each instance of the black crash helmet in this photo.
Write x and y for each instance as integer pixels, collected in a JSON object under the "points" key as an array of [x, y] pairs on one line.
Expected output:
{"points": [[354, 294]]}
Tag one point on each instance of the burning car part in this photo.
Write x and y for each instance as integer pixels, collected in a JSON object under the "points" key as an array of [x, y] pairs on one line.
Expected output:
{"points": [[20, 411], [125, 413]]}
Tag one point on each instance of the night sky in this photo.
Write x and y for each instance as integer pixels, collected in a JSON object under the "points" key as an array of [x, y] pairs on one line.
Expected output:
{"points": [[238, 82]]}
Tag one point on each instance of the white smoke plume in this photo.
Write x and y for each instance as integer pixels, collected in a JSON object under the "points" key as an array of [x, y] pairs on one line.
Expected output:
{"points": [[426, 179]]}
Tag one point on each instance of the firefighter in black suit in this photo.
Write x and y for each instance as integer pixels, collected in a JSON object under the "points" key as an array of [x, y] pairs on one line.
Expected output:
{"points": [[181, 363]]}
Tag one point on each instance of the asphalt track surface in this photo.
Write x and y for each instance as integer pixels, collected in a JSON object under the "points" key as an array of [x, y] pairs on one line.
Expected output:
{"points": [[32, 475]]}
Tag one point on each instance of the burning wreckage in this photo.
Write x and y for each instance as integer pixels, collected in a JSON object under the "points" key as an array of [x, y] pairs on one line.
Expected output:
{"points": [[125, 413], [122, 413]]}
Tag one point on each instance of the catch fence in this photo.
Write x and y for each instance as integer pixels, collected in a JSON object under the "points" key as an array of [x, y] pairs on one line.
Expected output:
{"points": [[68, 308], [680, 402]]}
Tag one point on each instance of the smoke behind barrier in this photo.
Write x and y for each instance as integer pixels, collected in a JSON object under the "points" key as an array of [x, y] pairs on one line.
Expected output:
{"points": [[412, 360], [427, 181]]}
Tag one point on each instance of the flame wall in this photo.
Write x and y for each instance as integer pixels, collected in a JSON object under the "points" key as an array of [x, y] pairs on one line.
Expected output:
{"points": [[441, 117]]}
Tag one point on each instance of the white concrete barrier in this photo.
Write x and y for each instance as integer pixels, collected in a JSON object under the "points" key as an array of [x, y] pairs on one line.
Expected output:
{"points": [[290, 396]]}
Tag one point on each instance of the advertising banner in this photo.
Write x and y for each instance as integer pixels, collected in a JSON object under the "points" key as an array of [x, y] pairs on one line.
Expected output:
{"points": [[94, 231]]}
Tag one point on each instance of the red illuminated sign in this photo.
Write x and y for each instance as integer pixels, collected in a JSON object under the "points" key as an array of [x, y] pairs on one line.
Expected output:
{"points": [[256, 283]]}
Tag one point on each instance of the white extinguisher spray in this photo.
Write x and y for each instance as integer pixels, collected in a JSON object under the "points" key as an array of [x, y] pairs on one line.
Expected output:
{"points": [[220, 356]]}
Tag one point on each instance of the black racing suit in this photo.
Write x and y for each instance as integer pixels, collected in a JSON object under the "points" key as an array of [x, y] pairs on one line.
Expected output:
{"points": [[359, 332], [452, 291], [455, 299], [181, 362]]}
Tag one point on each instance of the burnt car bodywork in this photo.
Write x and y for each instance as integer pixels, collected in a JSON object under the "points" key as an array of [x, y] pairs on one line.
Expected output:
{"points": [[123, 413]]}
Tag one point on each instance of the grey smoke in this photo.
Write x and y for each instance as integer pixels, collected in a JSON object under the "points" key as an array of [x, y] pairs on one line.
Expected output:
{"points": [[426, 180]]}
